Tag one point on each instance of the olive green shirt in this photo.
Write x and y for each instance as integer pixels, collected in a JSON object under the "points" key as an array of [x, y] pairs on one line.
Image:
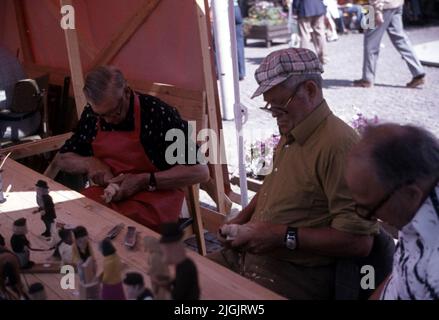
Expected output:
{"points": [[306, 187]]}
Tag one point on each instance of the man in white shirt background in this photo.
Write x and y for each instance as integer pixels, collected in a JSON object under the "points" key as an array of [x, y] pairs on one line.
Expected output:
{"points": [[393, 175]]}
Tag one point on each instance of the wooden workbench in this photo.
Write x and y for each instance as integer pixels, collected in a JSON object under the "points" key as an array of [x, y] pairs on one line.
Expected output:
{"points": [[72, 208]]}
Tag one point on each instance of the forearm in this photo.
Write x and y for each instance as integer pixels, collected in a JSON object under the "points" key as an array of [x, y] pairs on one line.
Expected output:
{"points": [[73, 163], [245, 215], [181, 176], [331, 242]]}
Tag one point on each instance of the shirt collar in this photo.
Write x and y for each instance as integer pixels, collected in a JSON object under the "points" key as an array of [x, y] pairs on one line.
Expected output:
{"points": [[425, 223], [307, 126]]}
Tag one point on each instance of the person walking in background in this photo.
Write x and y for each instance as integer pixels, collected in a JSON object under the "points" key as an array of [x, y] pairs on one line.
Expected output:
{"points": [[311, 18], [354, 10], [332, 14], [388, 17]]}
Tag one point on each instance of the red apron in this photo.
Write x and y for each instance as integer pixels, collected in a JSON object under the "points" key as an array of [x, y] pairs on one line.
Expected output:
{"points": [[123, 152]]}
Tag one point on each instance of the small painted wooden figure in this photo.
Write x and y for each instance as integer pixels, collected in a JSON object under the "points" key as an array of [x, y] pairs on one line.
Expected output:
{"points": [[158, 270], [112, 288], [185, 285], [64, 248], [37, 291], [135, 287], [85, 262], [20, 244], [11, 287], [45, 207]]}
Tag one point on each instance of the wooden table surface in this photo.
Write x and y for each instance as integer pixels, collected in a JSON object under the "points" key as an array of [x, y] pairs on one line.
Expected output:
{"points": [[72, 208]]}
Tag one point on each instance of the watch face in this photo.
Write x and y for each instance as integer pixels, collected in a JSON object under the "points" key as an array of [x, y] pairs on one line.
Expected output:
{"points": [[291, 241]]}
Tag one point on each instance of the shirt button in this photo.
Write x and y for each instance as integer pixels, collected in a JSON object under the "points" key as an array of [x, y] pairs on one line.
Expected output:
{"points": [[265, 194], [275, 169]]}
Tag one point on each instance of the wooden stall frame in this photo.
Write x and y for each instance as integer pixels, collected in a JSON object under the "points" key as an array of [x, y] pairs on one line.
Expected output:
{"points": [[105, 56]]}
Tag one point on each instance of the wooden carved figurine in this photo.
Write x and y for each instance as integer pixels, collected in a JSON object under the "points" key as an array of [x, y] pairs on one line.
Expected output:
{"points": [[37, 291], [158, 270], [11, 287], [135, 287], [20, 244], [185, 285], [112, 288], [45, 207], [64, 248], [86, 265]]}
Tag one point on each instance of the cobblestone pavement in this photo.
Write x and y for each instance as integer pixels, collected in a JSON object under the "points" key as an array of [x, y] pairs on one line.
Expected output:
{"points": [[390, 100]]}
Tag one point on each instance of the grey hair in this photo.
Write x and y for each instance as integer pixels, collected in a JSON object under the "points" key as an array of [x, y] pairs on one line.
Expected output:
{"points": [[292, 82], [402, 154], [100, 80]]}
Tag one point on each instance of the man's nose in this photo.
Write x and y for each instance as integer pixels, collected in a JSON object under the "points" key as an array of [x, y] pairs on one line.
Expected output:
{"points": [[277, 112]]}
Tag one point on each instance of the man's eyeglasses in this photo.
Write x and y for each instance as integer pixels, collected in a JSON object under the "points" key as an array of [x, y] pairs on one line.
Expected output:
{"points": [[116, 111], [369, 213], [268, 107]]}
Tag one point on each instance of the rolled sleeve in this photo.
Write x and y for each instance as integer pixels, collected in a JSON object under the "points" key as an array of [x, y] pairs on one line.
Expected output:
{"points": [[340, 203]]}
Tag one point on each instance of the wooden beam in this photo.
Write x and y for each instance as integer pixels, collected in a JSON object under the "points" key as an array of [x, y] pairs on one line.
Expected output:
{"points": [[75, 65], [162, 88], [36, 147], [193, 202], [210, 83], [23, 31], [87, 46], [253, 184], [212, 219], [126, 31]]}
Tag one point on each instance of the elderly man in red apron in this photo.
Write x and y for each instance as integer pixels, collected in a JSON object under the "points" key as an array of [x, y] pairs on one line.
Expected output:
{"points": [[120, 139]]}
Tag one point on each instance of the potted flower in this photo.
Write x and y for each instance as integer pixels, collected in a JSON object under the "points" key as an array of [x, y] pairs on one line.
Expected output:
{"points": [[259, 158], [360, 122], [266, 21]]}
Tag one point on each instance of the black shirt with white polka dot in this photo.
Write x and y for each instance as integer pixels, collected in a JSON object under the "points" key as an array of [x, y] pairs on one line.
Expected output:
{"points": [[157, 118]]}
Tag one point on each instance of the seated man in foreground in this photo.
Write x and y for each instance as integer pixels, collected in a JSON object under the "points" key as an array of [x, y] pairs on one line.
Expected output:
{"points": [[120, 139], [393, 174], [303, 218]]}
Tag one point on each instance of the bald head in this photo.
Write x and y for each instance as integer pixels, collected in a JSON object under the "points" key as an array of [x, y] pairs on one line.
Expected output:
{"points": [[399, 154]]}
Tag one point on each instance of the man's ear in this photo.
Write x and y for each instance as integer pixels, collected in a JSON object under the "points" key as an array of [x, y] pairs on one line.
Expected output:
{"points": [[310, 88], [413, 195]]}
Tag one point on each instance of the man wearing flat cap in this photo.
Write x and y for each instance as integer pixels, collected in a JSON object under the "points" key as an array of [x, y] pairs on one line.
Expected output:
{"points": [[303, 218]]}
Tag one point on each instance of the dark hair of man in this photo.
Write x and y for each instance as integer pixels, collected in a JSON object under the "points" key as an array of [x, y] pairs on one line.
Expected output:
{"points": [[100, 80], [402, 154]]}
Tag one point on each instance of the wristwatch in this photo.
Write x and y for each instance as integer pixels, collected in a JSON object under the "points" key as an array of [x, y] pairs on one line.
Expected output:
{"points": [[291, 240], [152, 185]]}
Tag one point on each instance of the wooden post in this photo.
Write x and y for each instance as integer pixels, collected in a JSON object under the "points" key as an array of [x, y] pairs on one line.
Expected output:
{"points": [[86, 44], [210, 83], [75, 65], [23, 32]]}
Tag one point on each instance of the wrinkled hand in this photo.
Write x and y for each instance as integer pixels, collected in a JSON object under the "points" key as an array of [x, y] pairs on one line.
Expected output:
{"points": [[129, 184], [259, 237], [99, 173], [236, 220]]}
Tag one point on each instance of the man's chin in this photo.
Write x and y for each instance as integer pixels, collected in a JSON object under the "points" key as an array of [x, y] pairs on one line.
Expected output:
{"points": [[283, 130]]}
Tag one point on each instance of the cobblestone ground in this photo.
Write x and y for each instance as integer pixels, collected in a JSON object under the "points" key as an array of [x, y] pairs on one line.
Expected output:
{"points": [[390, 100]]}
